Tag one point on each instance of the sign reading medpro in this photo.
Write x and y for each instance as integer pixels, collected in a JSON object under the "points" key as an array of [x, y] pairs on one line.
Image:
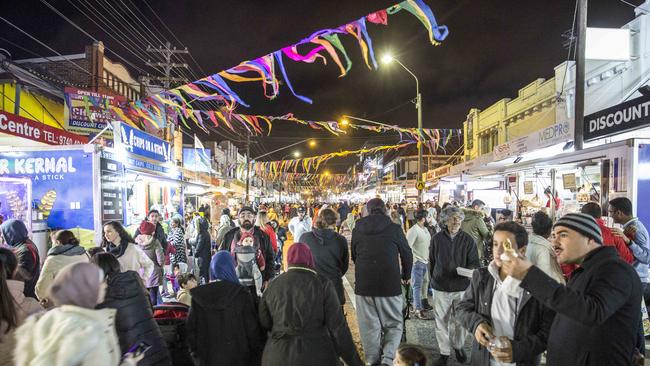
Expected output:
{"points": [[62, 189], [620, 118], [141, 143]]}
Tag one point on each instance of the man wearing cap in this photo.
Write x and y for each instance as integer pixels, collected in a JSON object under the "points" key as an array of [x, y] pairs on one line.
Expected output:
{"points": [[300, 224], [598, 311], [246, 217]]}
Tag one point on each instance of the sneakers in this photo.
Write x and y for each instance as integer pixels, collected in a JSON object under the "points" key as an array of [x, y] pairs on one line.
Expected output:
{"points": [[420, 314], [425, 305], [441, 361], [460, 355]]}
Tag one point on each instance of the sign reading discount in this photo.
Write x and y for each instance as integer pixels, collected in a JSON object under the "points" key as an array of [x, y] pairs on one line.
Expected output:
{"points": [[12, 124]]}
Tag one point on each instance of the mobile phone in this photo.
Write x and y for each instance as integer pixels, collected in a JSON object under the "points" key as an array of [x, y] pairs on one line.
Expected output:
{"points": [[139, 348]]}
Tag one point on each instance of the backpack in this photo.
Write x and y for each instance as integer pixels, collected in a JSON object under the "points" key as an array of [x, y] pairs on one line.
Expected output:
{"points": [[247, 270]]}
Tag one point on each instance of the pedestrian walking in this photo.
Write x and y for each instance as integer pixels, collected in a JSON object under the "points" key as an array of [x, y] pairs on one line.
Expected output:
{"points": [[261, 241], [222, 326], [347, 226], [378, 248], [510, 327], [451, 248], [474, 225], [154, 251], [155, 218], [65, 251], [16, 236], [302, 312], [598, 311], [176, 239], [329, 249], [635, 236], [419, 240], [609, 239], [72, 333], [223, 228], [14, 306], [203, 247], [540, 251], [300, 224], [119, 243], [134, 321]]}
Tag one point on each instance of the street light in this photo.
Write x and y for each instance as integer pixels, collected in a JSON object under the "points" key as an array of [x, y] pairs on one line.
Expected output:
{"points": [[345, 122], [296, 154], [312, 143], [387, 59]]}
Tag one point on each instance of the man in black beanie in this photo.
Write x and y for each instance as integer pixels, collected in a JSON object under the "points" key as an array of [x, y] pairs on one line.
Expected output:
{"points": [[598, 311]]}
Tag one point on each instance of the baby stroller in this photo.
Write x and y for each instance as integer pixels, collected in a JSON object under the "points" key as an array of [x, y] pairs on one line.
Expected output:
{"points": [[171, 318], [407, 295]]}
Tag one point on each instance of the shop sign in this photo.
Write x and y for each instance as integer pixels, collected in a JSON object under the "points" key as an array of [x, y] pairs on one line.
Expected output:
{"points": [[631, 115], [14, 125], [62, 188], [442, 171], [551, 135], [89, 112], [141, 143], [112, 174], [514, 147], [528, 187], [569, 181]]}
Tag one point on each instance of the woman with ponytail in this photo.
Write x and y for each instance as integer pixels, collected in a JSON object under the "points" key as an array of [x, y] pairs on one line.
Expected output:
{"points": [[65, 251], [14, 306]]}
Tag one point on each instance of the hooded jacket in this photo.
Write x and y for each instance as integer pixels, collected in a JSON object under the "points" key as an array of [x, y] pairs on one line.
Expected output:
{"points": [[227, 308], [598, 311], [57, 258], [532, 321], [29, 262], [158, 234], [68, 336], [474, 225], [301, 311], [154, 251], [203, 243], [330, 251], [134, 320], [265, 246], [378, 247]]}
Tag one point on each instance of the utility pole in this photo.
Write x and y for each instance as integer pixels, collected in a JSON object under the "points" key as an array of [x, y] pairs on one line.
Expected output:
{"points": [[168, 65], [578, 123], [248, 164]]}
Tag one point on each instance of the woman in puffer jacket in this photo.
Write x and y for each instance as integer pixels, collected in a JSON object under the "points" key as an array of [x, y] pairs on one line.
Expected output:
{"points": [[153, 249], [73, 333], [134, 321], [66, 251]]}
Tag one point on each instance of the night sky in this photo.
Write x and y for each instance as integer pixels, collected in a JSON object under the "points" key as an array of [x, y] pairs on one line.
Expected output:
{"points": [[494, 48]]}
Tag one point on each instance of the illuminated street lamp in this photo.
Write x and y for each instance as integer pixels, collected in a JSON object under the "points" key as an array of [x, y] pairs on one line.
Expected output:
{"points": [[312, 143], [296, 154], [387, 59], [345, 122]]}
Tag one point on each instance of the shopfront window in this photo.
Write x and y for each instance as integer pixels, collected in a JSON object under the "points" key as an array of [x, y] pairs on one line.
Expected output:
{"points": [[146, 193]]}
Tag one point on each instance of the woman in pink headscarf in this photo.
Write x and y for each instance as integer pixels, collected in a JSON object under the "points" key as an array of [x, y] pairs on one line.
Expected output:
{"points": [[301, 310]]}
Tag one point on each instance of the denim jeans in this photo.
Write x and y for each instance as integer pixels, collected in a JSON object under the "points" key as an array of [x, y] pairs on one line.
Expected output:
{"points": [[417, 278]]}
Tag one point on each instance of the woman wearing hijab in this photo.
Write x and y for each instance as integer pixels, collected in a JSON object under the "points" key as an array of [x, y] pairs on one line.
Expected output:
{"points": [[16, 236], [119, 243], [224, 227], [134, 320], [73, 333], [222, 327], [301, 311], [65, 251]]}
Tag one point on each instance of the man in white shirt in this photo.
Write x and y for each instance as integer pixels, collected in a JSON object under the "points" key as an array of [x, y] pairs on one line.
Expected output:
{"points": [[419, 240], [299, 224]]}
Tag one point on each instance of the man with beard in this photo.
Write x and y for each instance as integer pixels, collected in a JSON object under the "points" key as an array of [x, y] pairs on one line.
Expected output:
{"points": [[598, 311], [450, 248], [262, 241]]}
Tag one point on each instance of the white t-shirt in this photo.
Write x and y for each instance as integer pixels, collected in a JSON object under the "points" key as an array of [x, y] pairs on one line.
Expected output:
{"points": [[419, 240], [503, 312]]}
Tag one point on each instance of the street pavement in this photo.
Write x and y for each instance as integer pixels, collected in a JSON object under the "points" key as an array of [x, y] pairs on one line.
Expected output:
{"points": [[419, 332]]}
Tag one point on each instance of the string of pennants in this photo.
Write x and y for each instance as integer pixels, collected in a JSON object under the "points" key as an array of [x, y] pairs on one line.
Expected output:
{"points": [[176, 104], [274, 169]]}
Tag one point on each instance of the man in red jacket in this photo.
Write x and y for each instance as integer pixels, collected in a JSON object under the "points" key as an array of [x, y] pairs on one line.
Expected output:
{"points": [[593, 209]]}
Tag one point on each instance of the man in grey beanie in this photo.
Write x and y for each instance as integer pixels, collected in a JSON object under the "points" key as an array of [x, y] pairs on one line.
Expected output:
{"points": [[598, 311]]}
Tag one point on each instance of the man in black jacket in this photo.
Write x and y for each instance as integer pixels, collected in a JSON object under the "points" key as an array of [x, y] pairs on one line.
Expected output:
{"points": [[246, 216], [598, 311], [495, 307], [378, 247], [450, 248]]}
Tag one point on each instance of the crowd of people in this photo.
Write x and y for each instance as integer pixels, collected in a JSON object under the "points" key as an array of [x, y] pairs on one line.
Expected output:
{"points": [[264, 285]]}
